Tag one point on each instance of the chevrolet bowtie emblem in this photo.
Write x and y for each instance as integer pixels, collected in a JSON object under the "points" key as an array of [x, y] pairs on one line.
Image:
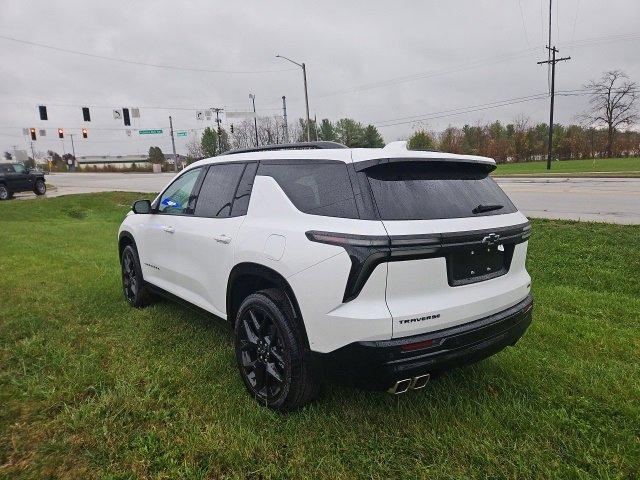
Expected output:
{"points": [[491, 239]]}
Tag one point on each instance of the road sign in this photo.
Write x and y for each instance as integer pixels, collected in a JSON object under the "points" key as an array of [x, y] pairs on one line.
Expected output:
{"points": [[182, 134], [240, 114], [150, 132]]}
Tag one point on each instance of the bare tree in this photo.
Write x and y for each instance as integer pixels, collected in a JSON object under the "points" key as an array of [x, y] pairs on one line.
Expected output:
{"points": [[194, 147], [612, 104]]}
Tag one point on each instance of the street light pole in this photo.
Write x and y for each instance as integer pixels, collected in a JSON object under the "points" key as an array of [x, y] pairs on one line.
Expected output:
{"points": [[306, 93], [285, 127], [255, 119], [173, 146]]}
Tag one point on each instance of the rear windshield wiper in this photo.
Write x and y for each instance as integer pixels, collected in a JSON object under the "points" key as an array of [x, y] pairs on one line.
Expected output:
{"points": [[486, 208]]}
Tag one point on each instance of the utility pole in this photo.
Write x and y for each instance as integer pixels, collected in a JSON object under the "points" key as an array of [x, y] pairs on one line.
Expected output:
{"points": [[173, 145], [255, 118], [284, 114], [552, 61], [306, 92], [73, 149], [306, 101], [218, 110]]}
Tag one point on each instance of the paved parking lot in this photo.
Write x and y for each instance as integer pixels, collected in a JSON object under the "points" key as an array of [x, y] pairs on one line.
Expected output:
{"points": [[615, 200]]}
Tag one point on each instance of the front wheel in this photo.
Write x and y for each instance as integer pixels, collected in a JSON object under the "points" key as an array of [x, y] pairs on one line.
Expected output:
{"points": [[271, 354], [132, 282], [40, 188]]}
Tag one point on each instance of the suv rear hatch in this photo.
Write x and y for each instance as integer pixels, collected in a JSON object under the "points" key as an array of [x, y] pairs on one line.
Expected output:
{"points": [[458, 244]]}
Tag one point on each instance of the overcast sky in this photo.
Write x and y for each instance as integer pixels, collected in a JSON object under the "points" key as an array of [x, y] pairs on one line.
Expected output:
{"points": [[376, 61]]}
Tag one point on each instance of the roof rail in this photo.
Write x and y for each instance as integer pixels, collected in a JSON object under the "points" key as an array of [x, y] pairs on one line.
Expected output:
{"points": [[320, 145]]}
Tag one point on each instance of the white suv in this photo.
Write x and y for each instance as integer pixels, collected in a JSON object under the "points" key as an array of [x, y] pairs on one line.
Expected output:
{"points": [[376, 266]]}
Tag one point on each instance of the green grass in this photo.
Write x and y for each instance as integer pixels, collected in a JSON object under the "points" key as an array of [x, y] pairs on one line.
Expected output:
{"points": [[90, 388], [621, 166]]}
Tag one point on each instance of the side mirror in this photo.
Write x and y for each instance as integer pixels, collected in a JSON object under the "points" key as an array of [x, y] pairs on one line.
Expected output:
{"points": [[141, 206]]}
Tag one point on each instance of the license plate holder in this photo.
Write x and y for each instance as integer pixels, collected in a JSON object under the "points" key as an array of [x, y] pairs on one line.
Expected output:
{"points": [[477, 264]]}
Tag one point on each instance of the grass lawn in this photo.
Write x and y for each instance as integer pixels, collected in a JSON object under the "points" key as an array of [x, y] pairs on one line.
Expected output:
{"points": [[618, 166], [90, 388]]}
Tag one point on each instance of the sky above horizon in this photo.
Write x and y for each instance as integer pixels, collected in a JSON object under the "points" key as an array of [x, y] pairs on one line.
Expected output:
{"points": [[401, 66]]}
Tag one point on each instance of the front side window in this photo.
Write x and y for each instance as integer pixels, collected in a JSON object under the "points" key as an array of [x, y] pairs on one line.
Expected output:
{"points": [[19, 168], [435, 190], [318, 188], [179, 198]]}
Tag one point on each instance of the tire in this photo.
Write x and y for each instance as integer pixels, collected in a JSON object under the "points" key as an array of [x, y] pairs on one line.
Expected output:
{"points": [[39, 188], [132, 282], [270, 351], [4, 192]]}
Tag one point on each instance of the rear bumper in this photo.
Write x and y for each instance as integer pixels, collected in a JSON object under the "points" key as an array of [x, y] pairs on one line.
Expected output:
{"points": [[379, 364]]}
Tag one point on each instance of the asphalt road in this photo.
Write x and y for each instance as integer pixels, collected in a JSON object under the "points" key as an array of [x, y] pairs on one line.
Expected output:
{"points": [[615, 200]]}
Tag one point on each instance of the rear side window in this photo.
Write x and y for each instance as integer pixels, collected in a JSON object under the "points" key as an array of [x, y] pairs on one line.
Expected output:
{"points": [[218, 190], [428, 191], [243, 193], [317, 188]]}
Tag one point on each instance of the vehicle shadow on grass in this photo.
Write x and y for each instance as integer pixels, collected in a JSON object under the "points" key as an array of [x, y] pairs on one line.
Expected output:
{"points": [[199, 332]]}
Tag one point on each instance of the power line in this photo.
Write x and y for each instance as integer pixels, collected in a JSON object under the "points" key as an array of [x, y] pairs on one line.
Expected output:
{"points": [[524, 25], [460, 110], [134, 62], [575, 20]]}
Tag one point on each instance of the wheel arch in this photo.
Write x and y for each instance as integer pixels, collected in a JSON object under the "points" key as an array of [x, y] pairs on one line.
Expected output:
{"points": [[125, 239], [247, 278]]}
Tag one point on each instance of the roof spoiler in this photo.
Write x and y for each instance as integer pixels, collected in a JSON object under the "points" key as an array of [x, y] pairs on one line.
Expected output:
{"points": [[362, 165]]}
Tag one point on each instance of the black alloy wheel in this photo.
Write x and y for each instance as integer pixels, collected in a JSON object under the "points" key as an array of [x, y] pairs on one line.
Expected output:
{"points": [[261, 354], [132, 282], [272, 352]]}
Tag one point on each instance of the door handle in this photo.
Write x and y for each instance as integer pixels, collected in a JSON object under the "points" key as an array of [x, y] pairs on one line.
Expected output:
{"points": [[169, 229], [222, 238]]}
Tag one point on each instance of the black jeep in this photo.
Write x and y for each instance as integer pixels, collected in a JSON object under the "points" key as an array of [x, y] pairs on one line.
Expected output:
{"points": [[15, 177]]}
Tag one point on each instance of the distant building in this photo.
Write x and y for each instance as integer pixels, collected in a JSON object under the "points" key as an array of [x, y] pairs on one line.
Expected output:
{"points": [[114, 161]]}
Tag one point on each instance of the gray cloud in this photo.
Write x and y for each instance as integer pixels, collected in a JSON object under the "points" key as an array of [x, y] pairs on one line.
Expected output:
{"points": [[452, 48]]}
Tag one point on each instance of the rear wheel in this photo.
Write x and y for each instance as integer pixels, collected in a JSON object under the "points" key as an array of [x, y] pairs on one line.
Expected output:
{"points": [[4, 192], [39, 188], [132, 282], [270, 352]]}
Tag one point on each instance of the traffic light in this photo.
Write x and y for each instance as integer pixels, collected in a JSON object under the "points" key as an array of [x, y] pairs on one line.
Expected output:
{"points": [[125, 115], [232, 128], [32, 131], [85, 133], [42, 109], [60, 133], [86, 115]]}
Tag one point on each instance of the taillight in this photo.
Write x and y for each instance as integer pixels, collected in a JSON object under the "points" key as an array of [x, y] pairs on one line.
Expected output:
{"points": [[365, 252], [347, 239]]}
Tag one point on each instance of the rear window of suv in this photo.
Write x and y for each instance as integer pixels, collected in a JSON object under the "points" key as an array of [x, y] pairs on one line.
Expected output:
{"points": [[435, 190], [317, 188]]}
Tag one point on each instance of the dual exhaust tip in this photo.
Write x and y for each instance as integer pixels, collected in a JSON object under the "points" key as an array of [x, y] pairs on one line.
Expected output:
{"points": [[406, 384]]}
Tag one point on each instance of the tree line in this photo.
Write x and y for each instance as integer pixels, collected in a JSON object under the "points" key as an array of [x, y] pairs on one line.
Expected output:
{"points": [[605, 130]]}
